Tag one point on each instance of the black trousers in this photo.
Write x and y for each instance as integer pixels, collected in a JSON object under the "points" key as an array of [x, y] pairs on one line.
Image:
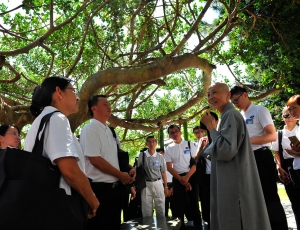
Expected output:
{"points": [[266, 168], [169, 202], [293, 189], [183, 198], [204, 195], [108, 214]]}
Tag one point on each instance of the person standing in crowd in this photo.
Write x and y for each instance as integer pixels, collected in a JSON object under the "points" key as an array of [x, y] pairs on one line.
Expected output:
{"points": [[284, 162], [199, 133], [60, 144], [156, 180], [205, 171], [185, 188], [9, 136], [169, 201], [294, 108], [102, 165], [236, 196], [262, 132]]}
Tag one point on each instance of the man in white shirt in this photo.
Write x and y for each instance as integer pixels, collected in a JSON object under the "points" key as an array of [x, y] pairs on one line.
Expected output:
{"points": [[102, 165], [185, 188], [262, 132]]}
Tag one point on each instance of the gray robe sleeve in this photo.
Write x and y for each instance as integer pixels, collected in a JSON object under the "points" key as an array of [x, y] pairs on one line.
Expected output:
{"points": [[226, 141]]}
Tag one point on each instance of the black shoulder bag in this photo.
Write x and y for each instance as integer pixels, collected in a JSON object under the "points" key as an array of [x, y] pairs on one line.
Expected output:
{"points": [[140, 179], [123, 156], [30, 197], [280, 155]]}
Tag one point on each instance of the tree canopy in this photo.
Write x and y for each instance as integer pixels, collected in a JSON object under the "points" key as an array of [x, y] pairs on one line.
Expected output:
{"points": [[153, 59]]}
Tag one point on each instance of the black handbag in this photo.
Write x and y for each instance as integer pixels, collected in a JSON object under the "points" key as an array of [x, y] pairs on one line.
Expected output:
{"points": [[140, 179], [30, 197]]}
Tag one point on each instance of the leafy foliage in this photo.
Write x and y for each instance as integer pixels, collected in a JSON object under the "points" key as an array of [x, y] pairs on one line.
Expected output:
{"points": [[151, 58]]}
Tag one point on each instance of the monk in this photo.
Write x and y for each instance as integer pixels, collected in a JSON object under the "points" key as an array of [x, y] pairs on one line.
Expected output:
{"points": [[237, 200]]}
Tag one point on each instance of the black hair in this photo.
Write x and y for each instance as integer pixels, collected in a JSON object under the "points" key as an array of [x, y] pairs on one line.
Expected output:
{"points": [[94, 101], [42, 94], [160, 150], [196, 127], [5, 127], [150, 137], [172, 126], [238, 89], [203, 126]]}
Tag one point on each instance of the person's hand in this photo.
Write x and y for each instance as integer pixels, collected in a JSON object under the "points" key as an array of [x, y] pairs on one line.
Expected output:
{"points": [[133, 193], [296, 146], [166, 192], [208, 120], [125, 178], [132, 173], [188, 186], [203, 142], [171, 191], [184, 179], [293, 152], [93, 206], [283, 176]]}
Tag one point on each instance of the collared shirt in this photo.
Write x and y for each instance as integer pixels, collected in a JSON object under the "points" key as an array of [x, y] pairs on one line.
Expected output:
{"points": [[154, 164], [207, 161], [257, 117], [97, 140], [179, 155], [59, 141], [285, 143]]}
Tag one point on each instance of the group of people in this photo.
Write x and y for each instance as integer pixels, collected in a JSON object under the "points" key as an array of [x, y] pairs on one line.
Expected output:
{"points": [[231, 169]]}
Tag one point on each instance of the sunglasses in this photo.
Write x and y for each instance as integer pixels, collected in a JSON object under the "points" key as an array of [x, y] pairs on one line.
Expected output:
{"points": [[286, 115]]}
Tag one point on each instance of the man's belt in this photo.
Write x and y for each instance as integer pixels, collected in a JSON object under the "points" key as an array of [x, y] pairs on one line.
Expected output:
{"points": [[183, 174], [264, 148], [152, 180], [106, 185]]}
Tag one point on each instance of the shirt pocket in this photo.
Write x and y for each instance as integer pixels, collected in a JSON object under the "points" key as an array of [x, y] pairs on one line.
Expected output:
{"points": [[156, 165]]}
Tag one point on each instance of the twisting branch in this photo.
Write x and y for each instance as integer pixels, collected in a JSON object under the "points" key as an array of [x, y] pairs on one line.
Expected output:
{"points": [[41, 39], [193, 28]]}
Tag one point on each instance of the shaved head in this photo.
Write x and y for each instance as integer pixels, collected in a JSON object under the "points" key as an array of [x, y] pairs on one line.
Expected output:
{"points": [[220, 85]]}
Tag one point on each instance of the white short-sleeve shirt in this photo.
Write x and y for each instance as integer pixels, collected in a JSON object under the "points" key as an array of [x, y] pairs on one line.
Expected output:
{"points": [[96, 140], [59, 141], [207, 161], [179, 155], [285, 143], [257, 117]]}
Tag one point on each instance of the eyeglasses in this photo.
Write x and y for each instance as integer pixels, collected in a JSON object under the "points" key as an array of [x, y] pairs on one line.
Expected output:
{"points": [[235, 101], [172, 133], [15, 134], [73, 89], [286, 115], [151, 141]]}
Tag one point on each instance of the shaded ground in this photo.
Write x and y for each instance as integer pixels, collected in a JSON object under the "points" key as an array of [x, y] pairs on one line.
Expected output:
{"points": [[287, 207]]}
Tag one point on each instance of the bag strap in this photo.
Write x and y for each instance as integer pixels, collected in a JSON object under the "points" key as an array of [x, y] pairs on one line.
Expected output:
{"points": [[189, 144], [280, 148], [114, 135], [39, 143]]}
